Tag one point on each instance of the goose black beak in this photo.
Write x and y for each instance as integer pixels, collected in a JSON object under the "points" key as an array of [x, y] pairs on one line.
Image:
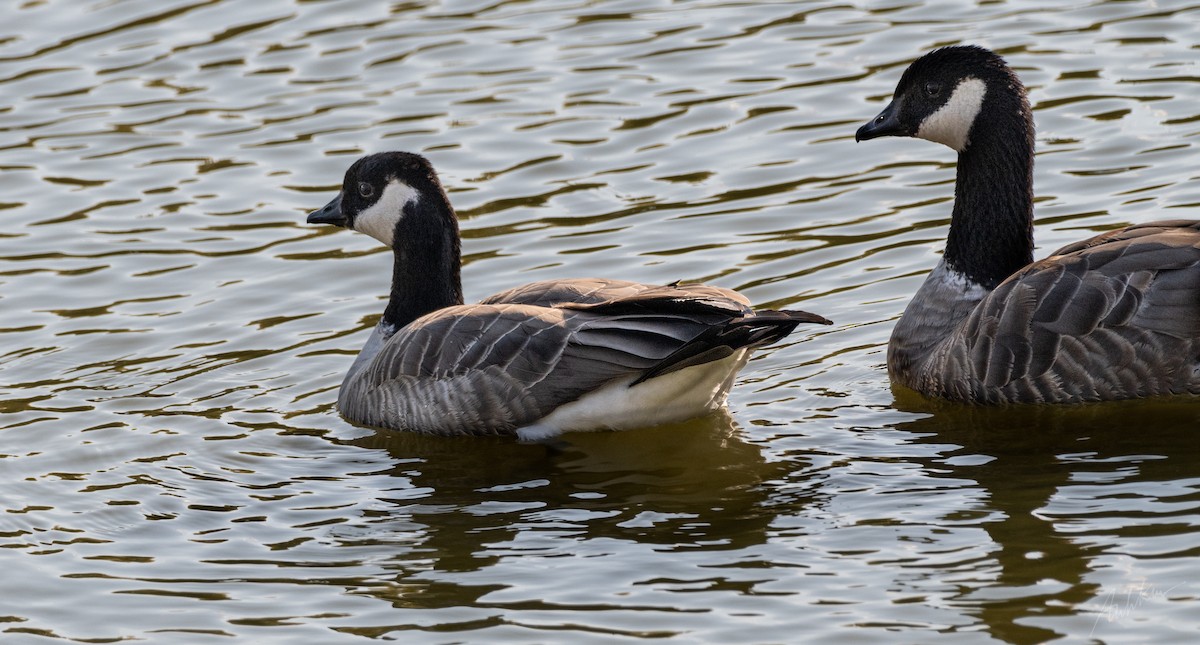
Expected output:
{"points": [[886, 124], [330, 213]]}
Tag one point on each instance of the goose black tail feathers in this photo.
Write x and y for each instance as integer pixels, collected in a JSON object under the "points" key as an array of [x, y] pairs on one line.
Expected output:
{"points": [[763, 328]]}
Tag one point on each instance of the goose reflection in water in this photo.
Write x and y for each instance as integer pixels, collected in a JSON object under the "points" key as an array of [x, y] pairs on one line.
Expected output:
{"points": [[464, 504], [1057, 484]]}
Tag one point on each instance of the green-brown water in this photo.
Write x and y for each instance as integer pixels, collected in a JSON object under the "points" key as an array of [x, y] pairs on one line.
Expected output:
{"points": [[172, 469]]}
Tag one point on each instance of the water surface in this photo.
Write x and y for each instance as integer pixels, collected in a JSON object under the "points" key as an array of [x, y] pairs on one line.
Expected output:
{"points": [[172, 467]]}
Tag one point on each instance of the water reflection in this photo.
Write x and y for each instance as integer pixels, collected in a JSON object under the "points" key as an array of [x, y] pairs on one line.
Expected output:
{"points": [[469, 505], [173, 335], [1050, 475]]}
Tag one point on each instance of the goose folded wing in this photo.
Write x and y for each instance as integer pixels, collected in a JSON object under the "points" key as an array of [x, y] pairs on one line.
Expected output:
{"points": [[660, 331], [523, 361], [1143, 278], [599, 291], [1107, 292], [520, 340], [693, 300], [605, 347], [544, 357], [550, 293]]}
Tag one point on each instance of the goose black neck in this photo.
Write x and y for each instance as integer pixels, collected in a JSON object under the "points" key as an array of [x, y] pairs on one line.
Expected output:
{"points": [[427, 262], [991, 230]]}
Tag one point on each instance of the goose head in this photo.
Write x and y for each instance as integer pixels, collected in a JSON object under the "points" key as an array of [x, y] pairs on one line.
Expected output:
{"points": [[947, 95], [380, 192], [396, 198]]}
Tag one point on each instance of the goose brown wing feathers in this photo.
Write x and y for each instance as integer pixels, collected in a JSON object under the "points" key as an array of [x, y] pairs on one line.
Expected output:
{"points": [[594, 291], [511, 364], [1113, 316]]}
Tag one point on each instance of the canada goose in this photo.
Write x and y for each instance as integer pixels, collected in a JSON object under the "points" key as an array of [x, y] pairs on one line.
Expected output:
{"points": [[536, 360], [1115, 316]]}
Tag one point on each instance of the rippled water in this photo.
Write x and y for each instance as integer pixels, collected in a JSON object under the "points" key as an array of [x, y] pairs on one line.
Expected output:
{"points": [[172, 468]]}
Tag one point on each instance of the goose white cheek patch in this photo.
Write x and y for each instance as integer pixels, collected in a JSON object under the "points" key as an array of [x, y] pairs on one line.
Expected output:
{"points": [[379, 219], [951, 124]]}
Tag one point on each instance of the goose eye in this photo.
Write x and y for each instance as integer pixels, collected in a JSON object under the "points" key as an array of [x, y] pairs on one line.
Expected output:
{"points": [[933, 88], [365, 189]]}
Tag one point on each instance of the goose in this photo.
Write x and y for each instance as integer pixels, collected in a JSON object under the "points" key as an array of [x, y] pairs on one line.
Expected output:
{"points": [[536, 360], [1114, 316]]}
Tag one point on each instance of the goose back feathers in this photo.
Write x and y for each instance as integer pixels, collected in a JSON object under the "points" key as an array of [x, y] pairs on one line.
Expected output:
{"points": [[1115, 316], [537, 359]]}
